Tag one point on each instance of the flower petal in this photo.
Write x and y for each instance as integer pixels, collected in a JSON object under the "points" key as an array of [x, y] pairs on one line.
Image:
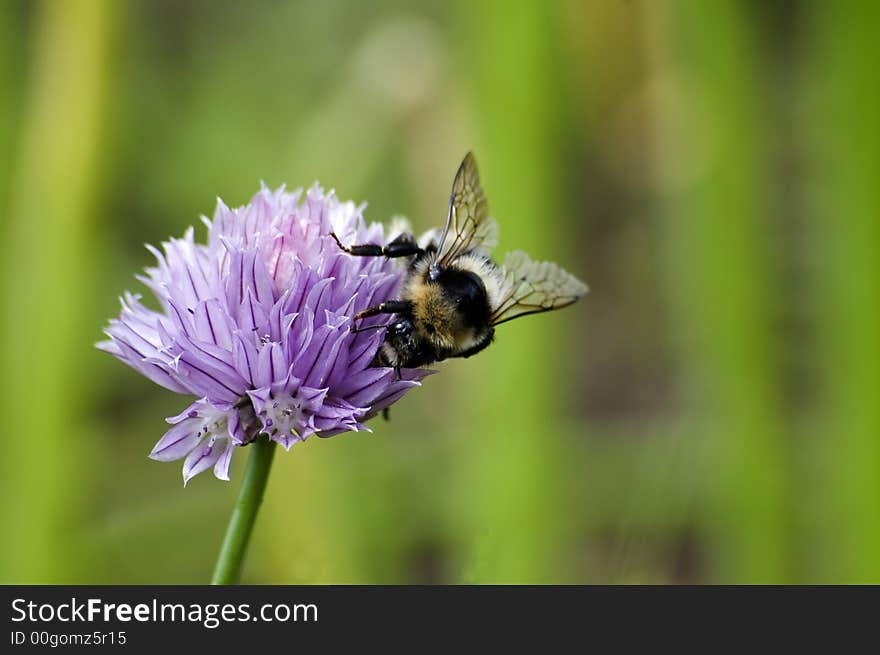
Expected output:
{"points": [[178, 442], [202, 458], [221, 466]]}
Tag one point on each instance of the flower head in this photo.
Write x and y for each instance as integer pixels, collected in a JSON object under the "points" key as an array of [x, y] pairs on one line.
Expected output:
{"points": [[257, 325]]}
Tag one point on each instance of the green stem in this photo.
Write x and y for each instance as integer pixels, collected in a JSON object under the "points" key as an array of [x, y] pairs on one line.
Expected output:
{"points": [[241, 523]]}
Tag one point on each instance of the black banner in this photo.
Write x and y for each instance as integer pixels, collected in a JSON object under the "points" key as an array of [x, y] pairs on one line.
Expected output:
{"points": [[229, 617]]}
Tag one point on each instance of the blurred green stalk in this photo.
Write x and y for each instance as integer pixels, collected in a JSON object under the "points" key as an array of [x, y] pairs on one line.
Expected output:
{"points": [[720, 229], [11, 56], [844, 127], [514, 467], [46, 253]]}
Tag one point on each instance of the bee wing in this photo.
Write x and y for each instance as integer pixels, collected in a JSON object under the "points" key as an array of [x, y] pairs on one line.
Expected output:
{"points": [[468, 224], [530, 287]]}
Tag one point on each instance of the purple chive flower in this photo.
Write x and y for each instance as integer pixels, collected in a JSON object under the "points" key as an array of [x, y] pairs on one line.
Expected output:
{"points": [[257, 325]]}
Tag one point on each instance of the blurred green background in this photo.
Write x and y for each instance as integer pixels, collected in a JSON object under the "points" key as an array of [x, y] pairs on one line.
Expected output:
{"points": [[709, 413]]}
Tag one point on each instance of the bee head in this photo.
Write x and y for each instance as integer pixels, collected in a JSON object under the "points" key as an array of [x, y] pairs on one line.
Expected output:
{"points": [[399, 329]]}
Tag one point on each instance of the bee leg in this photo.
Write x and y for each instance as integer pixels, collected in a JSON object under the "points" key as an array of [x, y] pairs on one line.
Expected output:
{"points": [[402, 246], [389, 307], [386, 414]]}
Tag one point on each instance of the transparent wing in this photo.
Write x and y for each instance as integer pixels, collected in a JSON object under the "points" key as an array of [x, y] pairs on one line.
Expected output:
{"points": [[530, 287], [468, 224]]}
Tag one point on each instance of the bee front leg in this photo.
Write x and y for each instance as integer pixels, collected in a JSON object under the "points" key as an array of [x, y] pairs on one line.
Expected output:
{"points": [[403, 246], [389, 307]]}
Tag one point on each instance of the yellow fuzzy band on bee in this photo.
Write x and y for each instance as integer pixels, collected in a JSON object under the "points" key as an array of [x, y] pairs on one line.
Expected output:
{"points": [[435, 314]]}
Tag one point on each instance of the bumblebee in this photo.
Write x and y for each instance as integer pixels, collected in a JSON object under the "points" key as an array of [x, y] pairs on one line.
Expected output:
{"points": [[454, 295]]}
